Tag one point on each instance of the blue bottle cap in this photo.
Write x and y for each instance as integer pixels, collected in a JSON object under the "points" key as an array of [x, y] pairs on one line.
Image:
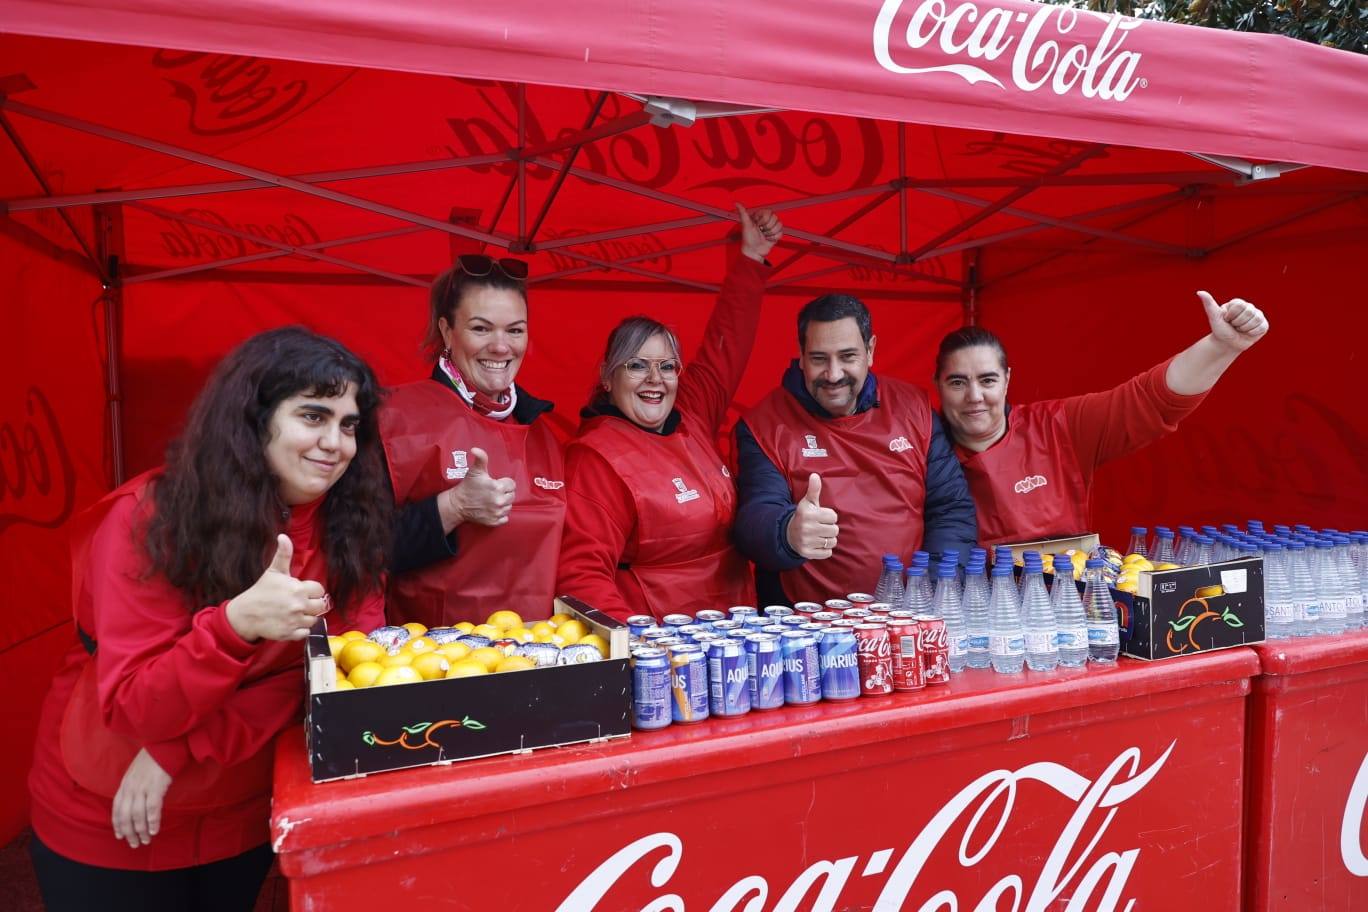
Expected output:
{"points": [[917, 570], [1001, 569], [1297, 546], [946, 570], [1186, 530], [1138, 530], [1095, 563], [1163, 532]]}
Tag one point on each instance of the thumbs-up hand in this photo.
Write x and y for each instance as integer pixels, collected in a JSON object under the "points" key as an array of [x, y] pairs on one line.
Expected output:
{"points": [[278, 606], [812, 528], [760, 231], [1237, 324], [479, 497]]}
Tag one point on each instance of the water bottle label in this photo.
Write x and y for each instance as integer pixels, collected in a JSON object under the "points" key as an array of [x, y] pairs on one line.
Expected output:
{"points": [[1281, 612], [1307, 611], [1106, 635], [1072, 636], [1334, 609], [978, 644], [1006, 645], [959, 645], [1040, 641]]}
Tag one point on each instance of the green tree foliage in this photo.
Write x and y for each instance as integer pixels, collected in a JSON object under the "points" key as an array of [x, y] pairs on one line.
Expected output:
{"points": [[1334, 23]]}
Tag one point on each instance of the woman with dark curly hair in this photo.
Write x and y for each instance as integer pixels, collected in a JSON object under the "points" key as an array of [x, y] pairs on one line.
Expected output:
{"points": [[151, 784]]}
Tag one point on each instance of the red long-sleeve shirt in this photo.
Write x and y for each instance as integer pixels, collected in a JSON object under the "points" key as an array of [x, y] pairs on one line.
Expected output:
{"points": [[601, 525], [184, 685]]}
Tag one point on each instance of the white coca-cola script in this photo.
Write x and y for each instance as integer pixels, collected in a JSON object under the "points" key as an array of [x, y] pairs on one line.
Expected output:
{"points": [[1351, 845], [1093, 881], [1044, 51]]}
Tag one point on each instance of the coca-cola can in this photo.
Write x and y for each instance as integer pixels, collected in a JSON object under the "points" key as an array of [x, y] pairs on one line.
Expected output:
{"points": [[856, 613], [935, 650], [825, 617], [837, 604], [905, 638], [806, 607], [880, 607], [876, 659], [847, 622], [860, 599]]}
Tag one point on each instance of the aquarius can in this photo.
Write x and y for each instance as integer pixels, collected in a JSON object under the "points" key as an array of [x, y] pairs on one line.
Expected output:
{"points": [[825, 617], [739, 612], [815, 629], [876, 659], [688, 683], [650, 635], [710, 616], [935, 650], [905, 637], [638, 624], [676, 620], [852, 623], [765, 665], [692, 630], [771, 628], [650, 688], [728, 678], [802, 674], [703, 639], [727, 627], [778, 611], [670, 639], [806, 607], [794, 620], [840, 664]]}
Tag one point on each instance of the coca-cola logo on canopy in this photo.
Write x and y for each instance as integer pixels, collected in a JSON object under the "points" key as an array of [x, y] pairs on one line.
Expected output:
{"points": [[37, 480], [1032, 49]]}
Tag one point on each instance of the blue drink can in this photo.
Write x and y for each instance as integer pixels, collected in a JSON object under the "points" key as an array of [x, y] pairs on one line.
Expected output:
{"points": [[702, 639], [638, 624], [802, 677], [741, 612], [669, 640], [770, 628], [727, 627], [825, 617], [815, 629], [688, 683], [651, 634], [692, 630], [795, 620], [728, 678], [852, 623], [650, 688], [840, 663], [765, 663], [710, 616], [754, 622], [676, 620], [778, 611]]}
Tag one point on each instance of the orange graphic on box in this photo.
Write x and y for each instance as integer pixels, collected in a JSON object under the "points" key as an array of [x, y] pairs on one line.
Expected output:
{"points": [[1187, 623], [426, 729]]}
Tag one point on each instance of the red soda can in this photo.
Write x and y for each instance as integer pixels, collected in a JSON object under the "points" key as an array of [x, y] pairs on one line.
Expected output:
{"points": [[860, 599], [847, 622], [935, 650], [879, 607], [905, 638], [876, 659], [837, 604], [856, 613], [807, 607]]}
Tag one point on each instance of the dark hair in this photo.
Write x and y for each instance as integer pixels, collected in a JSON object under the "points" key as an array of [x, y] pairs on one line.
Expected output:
{"points": [[624, 342], [445, 296], [217, 507], [968, 337], [832, 307]]}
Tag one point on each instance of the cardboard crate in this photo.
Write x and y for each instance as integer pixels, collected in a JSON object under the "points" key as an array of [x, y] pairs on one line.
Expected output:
{"points": [[370, 730], [1171, 619]]}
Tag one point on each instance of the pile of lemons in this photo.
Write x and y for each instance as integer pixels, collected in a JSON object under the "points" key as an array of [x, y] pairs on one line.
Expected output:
{"points": [[1132, 565], [362, 662]]}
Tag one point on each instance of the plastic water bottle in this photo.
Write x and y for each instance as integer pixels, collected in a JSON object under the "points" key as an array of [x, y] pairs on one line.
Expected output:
{"points": [[1187, 545], [976, 597], [917, 593], [1037, 617], [1334, 605], [896, 593], [1349, 577], [1359, 551], [1254, 526], [1280, 613], [1104, 637], [1304, 603], [1063, 573], [1138, 541], [946, 604], [1203, 553], [1163, 546], [1006, 639], [1070, 620], [885, 578]]}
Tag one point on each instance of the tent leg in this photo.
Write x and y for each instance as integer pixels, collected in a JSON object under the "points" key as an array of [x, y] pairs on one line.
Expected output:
{"points": [[109, 248], [969, 299]]}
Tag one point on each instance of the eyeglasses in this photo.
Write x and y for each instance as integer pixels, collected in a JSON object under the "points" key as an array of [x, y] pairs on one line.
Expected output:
{"points": [[641, 367], [480, 265]]}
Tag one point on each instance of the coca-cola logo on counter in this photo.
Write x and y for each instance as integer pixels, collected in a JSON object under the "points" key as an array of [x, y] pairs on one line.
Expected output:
{"points": [[1351, 827], [37, 480], [1032, 50], [1072, 869]]}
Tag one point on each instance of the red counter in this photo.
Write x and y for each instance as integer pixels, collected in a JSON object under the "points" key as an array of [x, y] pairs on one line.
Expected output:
{"points": [[1078, 790], [1308, 775]]}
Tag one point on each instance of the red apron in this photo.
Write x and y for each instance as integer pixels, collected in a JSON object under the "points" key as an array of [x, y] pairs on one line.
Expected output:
{"points": [[873, 468], [428, 432], [1028, 486], [679, 556]]}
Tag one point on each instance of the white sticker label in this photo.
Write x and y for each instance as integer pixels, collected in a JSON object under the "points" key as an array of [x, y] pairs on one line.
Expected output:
{"points": [[1334, 609], [1107, 635], [1235, 581], [1307, 611], [1072, 636], [1040, 641], [1284, 612], [1006, 645]]}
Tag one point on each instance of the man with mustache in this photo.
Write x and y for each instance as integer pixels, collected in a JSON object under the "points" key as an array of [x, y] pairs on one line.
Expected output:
{"points": [[838, 467]]}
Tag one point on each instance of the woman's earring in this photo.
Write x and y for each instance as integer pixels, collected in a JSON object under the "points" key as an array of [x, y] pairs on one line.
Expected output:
{"points": [[446, 353]]}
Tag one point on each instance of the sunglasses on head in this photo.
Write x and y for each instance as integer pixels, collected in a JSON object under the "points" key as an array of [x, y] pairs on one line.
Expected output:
{"points": [[479, 265]]}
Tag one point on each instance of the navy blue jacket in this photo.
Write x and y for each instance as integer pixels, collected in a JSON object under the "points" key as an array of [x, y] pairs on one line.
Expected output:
{"points": [[765, 502]]}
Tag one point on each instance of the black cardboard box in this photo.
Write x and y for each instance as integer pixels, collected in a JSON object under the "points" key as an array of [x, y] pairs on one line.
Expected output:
{"points": [[370, 730], [1178, 612]]}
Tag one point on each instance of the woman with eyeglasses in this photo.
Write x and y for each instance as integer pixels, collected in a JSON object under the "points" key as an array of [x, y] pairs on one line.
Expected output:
{"points": [[476, 471], [648, 527]]}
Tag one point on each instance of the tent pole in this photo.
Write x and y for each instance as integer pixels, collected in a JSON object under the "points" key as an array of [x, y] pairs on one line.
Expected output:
{"points": [[109, 246], [522, 166], [902, 192], [565, 169], [969, 301]]}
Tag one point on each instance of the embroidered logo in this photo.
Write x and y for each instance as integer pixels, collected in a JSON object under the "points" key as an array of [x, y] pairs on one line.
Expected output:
{"points": [[812, 450], [686, 493], [548, 484], [1029, 484], [899, 445], [460, 468]]}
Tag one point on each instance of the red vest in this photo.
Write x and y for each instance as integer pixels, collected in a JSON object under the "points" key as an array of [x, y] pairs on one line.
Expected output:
{"points": [[1028, 486], [428, 432], [679, 555], [873, 468]]}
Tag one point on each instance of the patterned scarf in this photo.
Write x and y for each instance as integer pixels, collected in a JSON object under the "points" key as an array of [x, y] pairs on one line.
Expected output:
{"points": [[498, 409]]}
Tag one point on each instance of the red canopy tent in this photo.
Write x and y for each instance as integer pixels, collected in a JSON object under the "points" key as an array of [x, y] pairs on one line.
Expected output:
{"points": [[1066, 179]]}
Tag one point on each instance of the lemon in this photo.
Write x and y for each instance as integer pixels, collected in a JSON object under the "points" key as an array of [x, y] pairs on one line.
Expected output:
{"points": [[548, 636], [1166, 566], [465, 626], [358, 651], [1129, 585], [431, 665], [542, 627], [515, 663], [453, 652], [487, 656], [398, 659], [414, 628], [558, 619], [488, 630], [1136, 562], [573, 630], [1209, 592], [365, 674], [353, 635], [520, 635], [344, 684], [505, 620], [597, 642], [420, 644], [466, 669], [399, 674], [335, 644]]}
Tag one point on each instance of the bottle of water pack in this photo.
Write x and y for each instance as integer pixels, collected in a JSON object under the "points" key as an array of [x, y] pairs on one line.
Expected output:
{"points": [[1306, 621], [1204, 552], [946, 604], [1330, 592], [1349, 576], [1138, 541], [917, 594], [1071, 621], [885, 578], [976, 597], [1063, 573], [1280, 614], [1187, 545], [1006, 640], [1163, 546], [896, 593], [1104, 637], [1037, 617], [1359, 552]]}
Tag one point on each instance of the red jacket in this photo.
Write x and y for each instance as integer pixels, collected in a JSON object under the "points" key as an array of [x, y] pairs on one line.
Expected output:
{"points": [[1036, 481], [185, 686], [648, 519]]}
